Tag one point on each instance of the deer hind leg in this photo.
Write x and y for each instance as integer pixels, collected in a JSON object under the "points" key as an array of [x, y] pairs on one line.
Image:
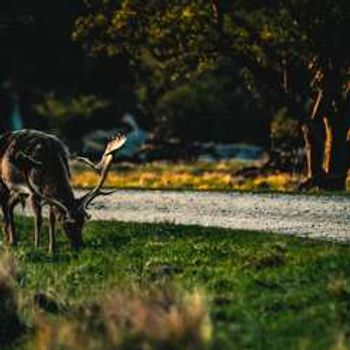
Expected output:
{"points": [[14, 198], [52, 230], [38, 220]]}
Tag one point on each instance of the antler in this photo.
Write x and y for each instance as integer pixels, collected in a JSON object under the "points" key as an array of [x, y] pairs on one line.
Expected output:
{"points": [[88, 162], [103, 168]]}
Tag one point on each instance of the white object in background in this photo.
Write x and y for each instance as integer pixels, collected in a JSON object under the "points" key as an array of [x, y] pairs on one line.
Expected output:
{"points": [[136, 137]]}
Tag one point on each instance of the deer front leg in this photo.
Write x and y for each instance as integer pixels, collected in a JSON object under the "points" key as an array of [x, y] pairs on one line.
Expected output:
{"points": [[4, 201], [4, 207], [52, 230], [38, 220]]}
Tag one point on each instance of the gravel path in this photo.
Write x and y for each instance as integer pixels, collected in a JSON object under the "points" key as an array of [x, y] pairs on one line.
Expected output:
{"points": [[324, 217]]}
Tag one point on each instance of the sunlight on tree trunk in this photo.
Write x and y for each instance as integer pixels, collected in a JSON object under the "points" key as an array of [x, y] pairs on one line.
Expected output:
{"points": [[335, 157], [327, 153], [314, 143]]}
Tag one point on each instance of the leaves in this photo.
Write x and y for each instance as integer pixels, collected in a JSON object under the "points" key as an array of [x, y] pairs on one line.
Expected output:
{"points": [[83, 106], [275, 41]]}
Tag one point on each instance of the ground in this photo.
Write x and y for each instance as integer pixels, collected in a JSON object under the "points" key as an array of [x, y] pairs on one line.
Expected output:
{"points": [[260, 290]]}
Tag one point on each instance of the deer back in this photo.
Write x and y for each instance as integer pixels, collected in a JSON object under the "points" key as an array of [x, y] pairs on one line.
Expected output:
{"points": [[52, 170]]}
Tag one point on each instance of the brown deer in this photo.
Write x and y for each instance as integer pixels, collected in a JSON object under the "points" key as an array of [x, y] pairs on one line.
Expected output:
{"points": [[34, 164]]}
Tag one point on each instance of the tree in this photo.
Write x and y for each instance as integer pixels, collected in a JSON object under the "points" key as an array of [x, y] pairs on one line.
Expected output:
{"points": [[305, 43], [294, 51], [210, 107]]}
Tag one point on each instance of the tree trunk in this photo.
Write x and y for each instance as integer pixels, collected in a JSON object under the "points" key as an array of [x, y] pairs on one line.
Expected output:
{"points": [[336, 153], [314, 137], [327, 161], [327, 153]]}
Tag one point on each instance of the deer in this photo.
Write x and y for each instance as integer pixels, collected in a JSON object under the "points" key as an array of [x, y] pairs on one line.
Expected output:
{"points": [[34, 166]]}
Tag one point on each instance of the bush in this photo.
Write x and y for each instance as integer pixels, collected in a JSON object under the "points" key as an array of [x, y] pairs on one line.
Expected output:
{"points": [[212, 107], [70, 117], [284, 127], [286, 149]]}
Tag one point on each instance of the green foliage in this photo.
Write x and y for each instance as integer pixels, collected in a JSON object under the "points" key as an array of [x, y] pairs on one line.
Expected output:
{"points": [[70, 116], [80, 106], [168, 31], [159, 40], [209, 108], [286, 143], [265, 291], [281, 45], [284, 127]]}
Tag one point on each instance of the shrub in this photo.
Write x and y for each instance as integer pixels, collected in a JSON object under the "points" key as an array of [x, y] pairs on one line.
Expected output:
{"points": [[133, 320], [70, 117]]}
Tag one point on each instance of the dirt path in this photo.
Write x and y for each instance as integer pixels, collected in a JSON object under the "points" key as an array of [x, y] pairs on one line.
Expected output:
{"points": [[324, 217]]}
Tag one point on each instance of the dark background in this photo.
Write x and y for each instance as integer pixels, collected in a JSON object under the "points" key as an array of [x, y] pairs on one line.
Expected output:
{"points": [[38, 59]]}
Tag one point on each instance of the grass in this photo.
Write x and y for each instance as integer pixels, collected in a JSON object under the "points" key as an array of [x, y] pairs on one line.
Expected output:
{"points": [[190, 176], [231, 290]]}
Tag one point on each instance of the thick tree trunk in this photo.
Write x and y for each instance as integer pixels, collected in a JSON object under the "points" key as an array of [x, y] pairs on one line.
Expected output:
{"points": [[327, 153], [336, 153], [327, 161]]}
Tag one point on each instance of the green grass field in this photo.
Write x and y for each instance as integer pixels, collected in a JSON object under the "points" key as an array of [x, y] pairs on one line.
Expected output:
{"points": [[192, 288]]}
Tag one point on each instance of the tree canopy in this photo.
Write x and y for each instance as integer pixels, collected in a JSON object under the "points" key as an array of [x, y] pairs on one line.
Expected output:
{"points": [[292, 52], [282, 44]]}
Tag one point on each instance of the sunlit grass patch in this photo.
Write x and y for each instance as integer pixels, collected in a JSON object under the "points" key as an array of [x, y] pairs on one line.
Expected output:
{"points": [[193, 176]]}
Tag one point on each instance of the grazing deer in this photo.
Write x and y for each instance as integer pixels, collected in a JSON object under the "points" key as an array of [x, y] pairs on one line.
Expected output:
{"points": [[35, 164]]}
